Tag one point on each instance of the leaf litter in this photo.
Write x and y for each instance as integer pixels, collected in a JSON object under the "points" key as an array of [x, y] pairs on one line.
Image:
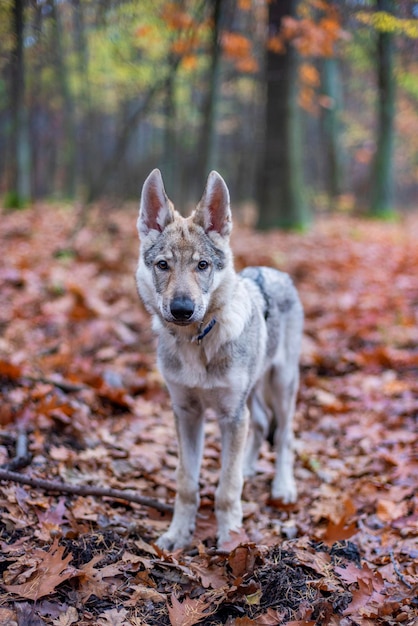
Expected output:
{"points": [[78, 380]]}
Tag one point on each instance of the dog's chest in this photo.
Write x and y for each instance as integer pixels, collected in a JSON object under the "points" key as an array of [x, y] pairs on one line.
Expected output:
{"points": [[189, 364]]}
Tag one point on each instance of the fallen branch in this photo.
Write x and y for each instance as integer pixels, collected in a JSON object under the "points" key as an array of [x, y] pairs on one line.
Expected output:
{"points": [[84, 490]]}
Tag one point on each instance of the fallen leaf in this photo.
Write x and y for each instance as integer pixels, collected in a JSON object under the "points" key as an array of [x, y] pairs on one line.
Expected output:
{"points": [[66, 619], [7, 617], [51, 570], [188, 612], [388, 510], [113, 617], [242, 559]]}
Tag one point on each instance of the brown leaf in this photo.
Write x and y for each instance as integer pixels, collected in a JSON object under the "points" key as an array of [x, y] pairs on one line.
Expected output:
{"points": [[339, 531], [388, 510], [66, 619], [349, 574], [242, 559], [52, 569], [212, 576], [188, 612], [113, 617], [9, 371], [52, 520], [94, 580], [142, 593], [7, 617]]}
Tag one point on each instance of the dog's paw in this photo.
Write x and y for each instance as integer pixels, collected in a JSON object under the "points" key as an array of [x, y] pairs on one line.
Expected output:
{"points": [[285, 491], [173, 541]]}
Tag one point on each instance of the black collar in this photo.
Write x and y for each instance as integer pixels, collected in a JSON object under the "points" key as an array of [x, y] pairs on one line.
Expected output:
{"points": [[204, 332]]}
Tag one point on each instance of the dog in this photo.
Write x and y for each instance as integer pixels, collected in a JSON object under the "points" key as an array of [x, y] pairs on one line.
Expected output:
{"points": [[226, 341]]}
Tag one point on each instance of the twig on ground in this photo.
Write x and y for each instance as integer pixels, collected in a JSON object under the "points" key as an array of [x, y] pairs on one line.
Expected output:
{"points": [[65, 385], [398, 571], [84, 490]]}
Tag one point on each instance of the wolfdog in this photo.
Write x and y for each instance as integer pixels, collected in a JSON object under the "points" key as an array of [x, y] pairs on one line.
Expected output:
{"points": [[229, 342]]}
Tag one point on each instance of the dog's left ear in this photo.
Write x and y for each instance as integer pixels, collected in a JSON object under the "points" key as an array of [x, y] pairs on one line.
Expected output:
{"points": [[213, 212]]}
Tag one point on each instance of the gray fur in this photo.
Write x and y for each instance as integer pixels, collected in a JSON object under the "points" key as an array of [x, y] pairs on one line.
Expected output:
{"points": [[247, 359]]}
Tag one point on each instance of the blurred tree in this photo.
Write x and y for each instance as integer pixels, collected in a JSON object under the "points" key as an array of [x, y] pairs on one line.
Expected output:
{"points": [[280, 195], [382, 189], [83, 116], [67, 154], [18, 187], [331, 126], [206, 149]]}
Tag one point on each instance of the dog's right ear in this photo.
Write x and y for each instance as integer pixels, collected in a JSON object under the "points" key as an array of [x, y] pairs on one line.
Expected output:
{"points": [[155, 209]]}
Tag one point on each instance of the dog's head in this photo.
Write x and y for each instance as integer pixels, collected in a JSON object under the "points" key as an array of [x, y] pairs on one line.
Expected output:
{"points": [[182, 260]]}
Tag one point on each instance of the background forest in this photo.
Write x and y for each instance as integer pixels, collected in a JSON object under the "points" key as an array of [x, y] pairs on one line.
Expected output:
{"points": [[302, 105]]}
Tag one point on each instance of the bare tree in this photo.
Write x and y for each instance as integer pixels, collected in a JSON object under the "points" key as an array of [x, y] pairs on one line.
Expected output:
{"points": [[382, 191], [19, 169]]}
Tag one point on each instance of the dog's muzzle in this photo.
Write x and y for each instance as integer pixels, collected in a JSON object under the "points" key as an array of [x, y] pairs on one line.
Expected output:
{"points": [[182, 309]]}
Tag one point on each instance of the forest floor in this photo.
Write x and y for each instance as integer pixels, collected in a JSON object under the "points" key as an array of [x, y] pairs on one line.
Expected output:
{"points": [[83, 404]]}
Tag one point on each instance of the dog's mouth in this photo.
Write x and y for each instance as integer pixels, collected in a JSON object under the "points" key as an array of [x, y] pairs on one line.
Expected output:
{"points": [[181, 322]]}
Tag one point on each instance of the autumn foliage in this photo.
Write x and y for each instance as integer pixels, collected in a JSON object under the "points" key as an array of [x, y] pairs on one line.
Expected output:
{"points": [[83, 404]]}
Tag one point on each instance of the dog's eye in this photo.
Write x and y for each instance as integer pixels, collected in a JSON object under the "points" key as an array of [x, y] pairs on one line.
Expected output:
{"points": [[162, 265], [202, 265]]}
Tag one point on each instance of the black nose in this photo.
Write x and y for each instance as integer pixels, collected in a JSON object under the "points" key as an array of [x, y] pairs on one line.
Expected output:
{"points": [[182, 308]]}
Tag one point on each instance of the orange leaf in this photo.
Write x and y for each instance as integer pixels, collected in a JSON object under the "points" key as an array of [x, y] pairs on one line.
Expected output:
{"points": [[276, 44], [176, 18], [244, 5], [309, 74], [249, 65], [189, 62], [235, 46], [339, 532]]}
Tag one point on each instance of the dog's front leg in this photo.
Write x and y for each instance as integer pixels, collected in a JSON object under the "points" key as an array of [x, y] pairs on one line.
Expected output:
{"points": [[189, 426], [228, 494]]}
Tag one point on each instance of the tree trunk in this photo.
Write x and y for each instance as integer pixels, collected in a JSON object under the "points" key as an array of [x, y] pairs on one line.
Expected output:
{"points": [[19, 173], [171, 165], [334, 176], [280, 186], [206, 149], [67, 151], [83, 117], [382, 189]]}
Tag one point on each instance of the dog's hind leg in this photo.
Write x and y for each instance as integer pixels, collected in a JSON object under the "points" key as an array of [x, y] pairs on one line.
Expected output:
{"points": [[190, 432], [259, 424], [284, 387]]}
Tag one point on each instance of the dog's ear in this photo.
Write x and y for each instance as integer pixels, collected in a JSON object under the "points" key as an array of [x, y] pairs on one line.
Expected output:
{"points": [[213, 212], [155, 209]]}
